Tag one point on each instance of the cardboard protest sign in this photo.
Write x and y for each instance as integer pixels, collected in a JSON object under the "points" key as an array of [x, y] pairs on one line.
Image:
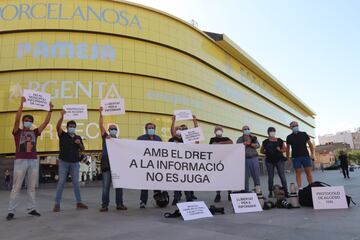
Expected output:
{"points": [[193, 210], [192, 135], [75, 112], [183, 115], [114, 106], [329, 197], [245, 202], [36, 100]]}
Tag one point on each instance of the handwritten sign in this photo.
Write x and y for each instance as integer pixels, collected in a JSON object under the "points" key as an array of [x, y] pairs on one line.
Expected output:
{"points": [[183, 115], [245, 202], [75, 112], [193, 210], [37, 100], [192, 135], [114, 106]]}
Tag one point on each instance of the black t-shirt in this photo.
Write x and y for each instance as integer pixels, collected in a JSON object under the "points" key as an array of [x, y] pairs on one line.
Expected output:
{"points": [[271, 152], [298, 141], [69, 150], [105, 165], [343, 160], [218, 139], [176, 139]]}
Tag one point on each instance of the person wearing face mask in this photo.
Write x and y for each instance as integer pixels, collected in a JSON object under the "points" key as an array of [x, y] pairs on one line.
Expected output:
{"points": [[105, 168], [176, 133], [69, 161], [251, 157], [297, 141], [220, 139], [274, 149], [150, 135], [25, 163]]}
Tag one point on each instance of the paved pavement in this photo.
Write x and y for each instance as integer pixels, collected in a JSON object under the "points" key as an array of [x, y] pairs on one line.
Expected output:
{"points": [[149, 223]]}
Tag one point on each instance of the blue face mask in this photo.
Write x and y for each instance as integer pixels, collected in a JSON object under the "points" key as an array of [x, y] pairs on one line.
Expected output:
{"points": [[151, 131], [113, 133], [295, 129], [246, 132], [27, 124], [71, 130]]}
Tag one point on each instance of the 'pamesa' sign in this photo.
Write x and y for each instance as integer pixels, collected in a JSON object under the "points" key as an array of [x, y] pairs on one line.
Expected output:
{"points": [[63, 12]]}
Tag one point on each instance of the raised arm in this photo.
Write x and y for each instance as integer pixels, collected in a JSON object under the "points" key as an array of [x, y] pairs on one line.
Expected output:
{"points": [[101, 122], [172, 130], [195, 121], [18, 115], [58, 125], [47, 119]]}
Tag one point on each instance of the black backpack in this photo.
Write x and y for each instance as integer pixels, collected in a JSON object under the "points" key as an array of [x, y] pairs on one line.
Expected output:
{"points": [[162, 199], [305, 194]]}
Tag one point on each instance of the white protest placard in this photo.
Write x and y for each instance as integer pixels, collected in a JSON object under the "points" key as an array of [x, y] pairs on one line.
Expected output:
{"points": [[174, 166], [114, 106], [183, 114], [36, 100], [75, 112], [245, 202], [192, 135], [193, 210], [329, 197]]}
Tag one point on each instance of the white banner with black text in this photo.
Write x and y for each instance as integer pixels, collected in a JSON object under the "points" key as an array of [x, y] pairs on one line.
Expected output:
{"points": [[174, 166]]}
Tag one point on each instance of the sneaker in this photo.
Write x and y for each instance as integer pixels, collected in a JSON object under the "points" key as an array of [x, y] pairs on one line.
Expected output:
{"points": [[103, 209], [34, 213], [81, 206], [193, 197], [189, 200], [142, 205], [174, 202], [121, 207], [56, 208], [10, 216], [217, 198]]}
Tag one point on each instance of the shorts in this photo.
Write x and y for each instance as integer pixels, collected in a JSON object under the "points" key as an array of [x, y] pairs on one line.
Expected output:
{"points": [[302, 161]]}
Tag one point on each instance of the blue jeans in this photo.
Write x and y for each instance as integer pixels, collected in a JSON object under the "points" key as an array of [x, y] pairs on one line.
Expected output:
{"points": [[24, 167], [280, 167], [252, 169], [106, 181], [64, 168]]}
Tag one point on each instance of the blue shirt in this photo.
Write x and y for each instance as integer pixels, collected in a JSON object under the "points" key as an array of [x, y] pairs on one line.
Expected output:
{"points": [[146, 137]]}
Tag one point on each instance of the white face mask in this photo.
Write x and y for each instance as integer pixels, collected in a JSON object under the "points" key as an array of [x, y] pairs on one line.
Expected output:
{"points": [[178, 133], [219, 133], [272, 134]]}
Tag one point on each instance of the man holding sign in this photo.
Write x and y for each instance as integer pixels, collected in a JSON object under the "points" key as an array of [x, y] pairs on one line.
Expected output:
{"points": [[70, 147], [26, 159], [176, 133], [150, 135], [105, 168]]}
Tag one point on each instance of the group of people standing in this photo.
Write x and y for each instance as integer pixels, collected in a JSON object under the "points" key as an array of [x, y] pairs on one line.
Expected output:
{"points": [[71, 145]]}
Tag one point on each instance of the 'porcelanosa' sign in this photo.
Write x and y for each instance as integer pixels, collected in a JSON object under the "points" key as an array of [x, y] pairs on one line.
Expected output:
{"points": [[172, 166]]}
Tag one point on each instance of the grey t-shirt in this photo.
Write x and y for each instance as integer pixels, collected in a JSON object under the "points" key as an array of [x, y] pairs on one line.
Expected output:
{"points": [[250, 151]]}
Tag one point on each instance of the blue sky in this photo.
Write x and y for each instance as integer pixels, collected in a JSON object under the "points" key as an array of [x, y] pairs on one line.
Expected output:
{"points": [[313, 47]]}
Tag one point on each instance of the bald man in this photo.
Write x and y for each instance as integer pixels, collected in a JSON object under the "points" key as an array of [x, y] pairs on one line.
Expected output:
{"points": [[297, 141], [105, 168]]}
